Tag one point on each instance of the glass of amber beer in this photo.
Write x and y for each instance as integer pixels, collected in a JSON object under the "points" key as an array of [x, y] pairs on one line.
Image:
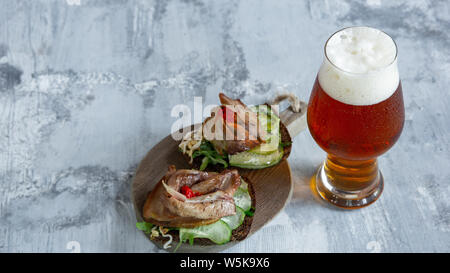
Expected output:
{"points": [[355, 114]]}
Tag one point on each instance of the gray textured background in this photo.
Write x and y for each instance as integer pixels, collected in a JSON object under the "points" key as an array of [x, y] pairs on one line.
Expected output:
{"points": [[86, 90]]}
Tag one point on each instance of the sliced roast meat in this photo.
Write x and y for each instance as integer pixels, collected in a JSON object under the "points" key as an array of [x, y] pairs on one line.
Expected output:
{"points": [[181, 178], [229, 101], [238, 133], [209, 206], [228, 181], [166, 204], [157, 214]]}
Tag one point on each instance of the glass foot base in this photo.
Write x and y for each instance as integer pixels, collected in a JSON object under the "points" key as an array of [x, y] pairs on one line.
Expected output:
{"points": [[348, 197]]}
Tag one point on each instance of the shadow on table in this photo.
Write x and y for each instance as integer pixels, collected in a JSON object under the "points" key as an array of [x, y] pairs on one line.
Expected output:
{"points": [[126, 218], [305, 192]]}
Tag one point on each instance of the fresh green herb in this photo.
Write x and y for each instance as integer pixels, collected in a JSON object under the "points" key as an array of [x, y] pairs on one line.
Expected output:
{"points": [[250, 212], [285, 144], [210, 155], [178, 245], [205, 162], [145, 227]]}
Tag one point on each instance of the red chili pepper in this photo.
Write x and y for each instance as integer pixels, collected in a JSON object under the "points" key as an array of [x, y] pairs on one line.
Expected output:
{"points": [[228, 114], [188, 192]]}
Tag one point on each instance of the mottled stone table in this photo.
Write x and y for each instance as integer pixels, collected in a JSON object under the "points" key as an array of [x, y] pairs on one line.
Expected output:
{"points": [[87, 88]]}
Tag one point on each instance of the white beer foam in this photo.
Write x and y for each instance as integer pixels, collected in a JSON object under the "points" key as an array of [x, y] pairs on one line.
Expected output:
{"points": [[361, 68]]}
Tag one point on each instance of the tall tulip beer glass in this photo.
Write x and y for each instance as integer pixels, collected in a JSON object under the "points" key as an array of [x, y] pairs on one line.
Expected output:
{"points": [[355, 114]]}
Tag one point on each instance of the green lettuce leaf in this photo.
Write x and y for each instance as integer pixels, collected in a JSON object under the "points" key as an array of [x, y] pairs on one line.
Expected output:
{"points": [[211, 156]]}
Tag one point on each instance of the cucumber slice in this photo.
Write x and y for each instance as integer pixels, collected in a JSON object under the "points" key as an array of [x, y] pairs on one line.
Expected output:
{"points": [[268, 120], [271, 124], [263, 109], [234, 221], [265, 114], [242, 199], [244, 185], [272, 143], [248, 160], [219, 233]]}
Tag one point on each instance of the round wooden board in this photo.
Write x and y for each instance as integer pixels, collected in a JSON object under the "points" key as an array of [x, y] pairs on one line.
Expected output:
{"points": [[273, 187]]}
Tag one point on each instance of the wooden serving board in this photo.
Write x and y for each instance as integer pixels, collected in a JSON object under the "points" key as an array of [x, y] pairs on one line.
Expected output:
{"points": [[272, 186]]}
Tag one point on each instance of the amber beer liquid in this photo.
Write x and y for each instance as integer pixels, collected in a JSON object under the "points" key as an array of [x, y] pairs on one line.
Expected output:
{"points": [[355, 114], [355, 132]]}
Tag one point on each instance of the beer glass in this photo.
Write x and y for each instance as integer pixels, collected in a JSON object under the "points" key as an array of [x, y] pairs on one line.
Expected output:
{"points": [[355, 114]]}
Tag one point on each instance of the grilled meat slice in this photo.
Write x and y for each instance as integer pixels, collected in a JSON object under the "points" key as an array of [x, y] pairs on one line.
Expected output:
{"points": [[228, 181], [157, 214], [167, 204], [209, 206], [229, 101], [180, 178], [233, 127]]}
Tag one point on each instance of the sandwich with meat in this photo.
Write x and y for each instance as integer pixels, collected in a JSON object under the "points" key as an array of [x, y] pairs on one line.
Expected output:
{"points": [[237, 135], [198, 207]]}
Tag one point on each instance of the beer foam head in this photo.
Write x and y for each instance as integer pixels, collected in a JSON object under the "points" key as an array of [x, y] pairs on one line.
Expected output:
{"points": [[360, 66]]}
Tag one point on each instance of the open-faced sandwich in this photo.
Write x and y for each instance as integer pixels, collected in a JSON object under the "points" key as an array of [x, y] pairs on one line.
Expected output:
{"points": [[198, 207], [239, 136]]}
